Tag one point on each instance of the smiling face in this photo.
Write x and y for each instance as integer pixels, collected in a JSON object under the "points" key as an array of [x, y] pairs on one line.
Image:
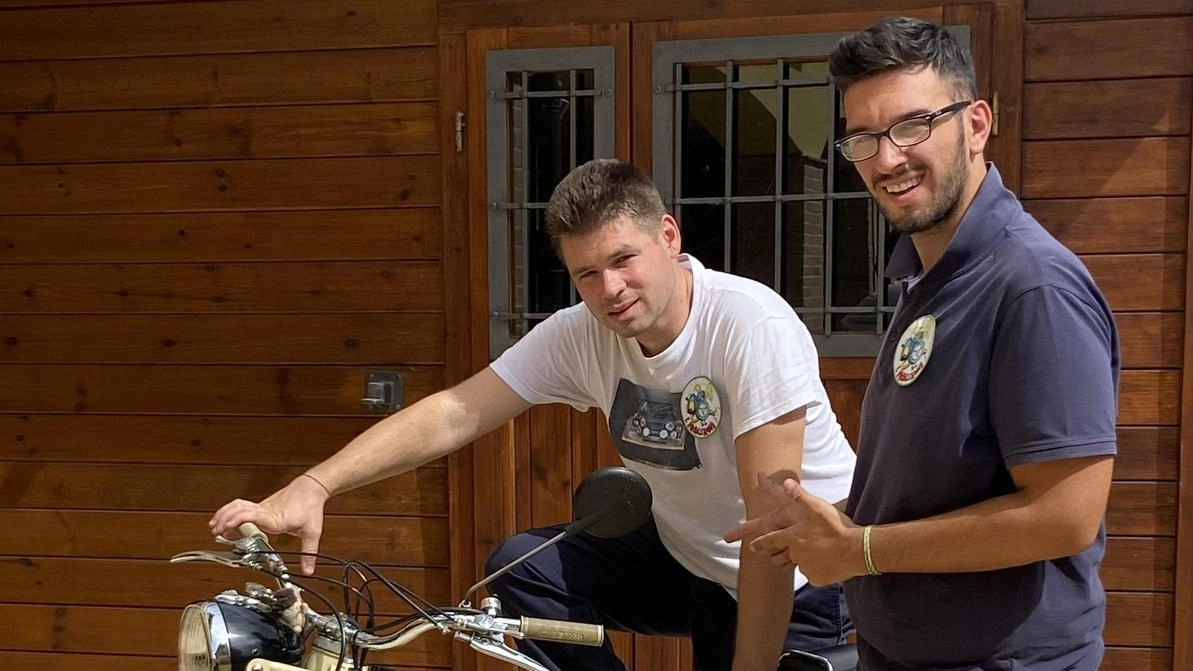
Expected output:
{"points": [[930, 183], [630, 279]]}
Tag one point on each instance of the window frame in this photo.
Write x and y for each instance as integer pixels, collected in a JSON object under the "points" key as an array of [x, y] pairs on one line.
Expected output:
{"points": [[667, 59], [601, 60]]}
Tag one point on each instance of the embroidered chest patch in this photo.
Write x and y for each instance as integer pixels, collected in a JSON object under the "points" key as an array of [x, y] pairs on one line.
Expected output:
{"points": [[701, 407], [914, 349]]}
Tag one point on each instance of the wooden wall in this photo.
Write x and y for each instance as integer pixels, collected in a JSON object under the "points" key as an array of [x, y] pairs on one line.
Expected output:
{"points": [[216, 214], [1106, 160], [1095, 101], [214, 217]]}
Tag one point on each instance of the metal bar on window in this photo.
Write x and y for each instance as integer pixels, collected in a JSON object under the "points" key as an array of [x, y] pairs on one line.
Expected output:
{"points": [[677, 140], [780, 160], [580, 93], [523, 294], [727, 254], [786, 198], [830, 212], [571, 112]]}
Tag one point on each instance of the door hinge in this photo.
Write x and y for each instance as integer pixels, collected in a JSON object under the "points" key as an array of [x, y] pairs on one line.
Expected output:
{"points": [[460, 124], [994, 108]]}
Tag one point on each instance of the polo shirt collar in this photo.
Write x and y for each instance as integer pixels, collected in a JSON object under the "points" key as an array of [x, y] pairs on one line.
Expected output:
{"points": [[993, 207]]}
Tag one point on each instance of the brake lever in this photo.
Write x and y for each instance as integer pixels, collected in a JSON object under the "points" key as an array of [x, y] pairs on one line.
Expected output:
{"points": [[500, 650], [233, 559]]}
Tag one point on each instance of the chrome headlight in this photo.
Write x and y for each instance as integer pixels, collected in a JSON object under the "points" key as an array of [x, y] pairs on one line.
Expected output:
{"points": [[225, 634]]}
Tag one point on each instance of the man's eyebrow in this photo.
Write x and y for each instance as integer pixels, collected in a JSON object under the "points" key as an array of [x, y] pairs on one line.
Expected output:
{"points": [[852, 130], [620, 251]]}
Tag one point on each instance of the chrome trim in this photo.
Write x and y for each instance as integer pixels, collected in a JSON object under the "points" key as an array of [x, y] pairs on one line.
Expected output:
{"points": [[219, 651]]}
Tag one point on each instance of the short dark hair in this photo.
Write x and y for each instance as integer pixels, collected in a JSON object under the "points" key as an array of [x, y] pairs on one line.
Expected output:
{"points": [[599, 191], [901, 42]]}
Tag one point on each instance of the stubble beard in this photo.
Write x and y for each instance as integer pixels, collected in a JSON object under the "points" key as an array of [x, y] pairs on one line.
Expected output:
{"points": [[944, 206]]}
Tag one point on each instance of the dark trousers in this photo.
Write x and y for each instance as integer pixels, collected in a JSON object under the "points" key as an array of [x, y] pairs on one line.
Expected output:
{"points": [[633, 584]]}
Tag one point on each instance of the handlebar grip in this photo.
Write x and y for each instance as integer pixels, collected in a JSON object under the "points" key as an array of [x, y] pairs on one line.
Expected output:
{"points": [[578, 633], [249, 529]]}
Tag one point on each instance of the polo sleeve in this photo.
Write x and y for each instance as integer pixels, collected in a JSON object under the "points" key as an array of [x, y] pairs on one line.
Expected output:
{"points": [[1054, 378]]}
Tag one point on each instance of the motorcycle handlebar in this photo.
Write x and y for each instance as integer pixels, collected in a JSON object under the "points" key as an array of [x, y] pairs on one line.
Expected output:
{"points": [[558, 631], [249, 529]]}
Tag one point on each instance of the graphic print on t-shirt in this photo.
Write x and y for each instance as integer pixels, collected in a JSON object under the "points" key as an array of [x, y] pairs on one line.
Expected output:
{"points": [[647, 427]]}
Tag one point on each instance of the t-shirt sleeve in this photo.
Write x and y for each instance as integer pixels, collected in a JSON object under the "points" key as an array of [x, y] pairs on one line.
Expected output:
{"points": [[549, 364], [1054, 378], [771, 371]]}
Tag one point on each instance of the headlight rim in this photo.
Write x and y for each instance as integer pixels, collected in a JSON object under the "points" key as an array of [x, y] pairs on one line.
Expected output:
{"points": [[211, 619]]}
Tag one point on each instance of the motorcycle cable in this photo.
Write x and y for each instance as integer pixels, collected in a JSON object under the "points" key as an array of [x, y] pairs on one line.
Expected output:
{"points": [[405, 594], [331, 607]]}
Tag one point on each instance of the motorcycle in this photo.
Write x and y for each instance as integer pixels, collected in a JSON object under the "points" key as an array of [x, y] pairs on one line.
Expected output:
{"points": [[274, 628]]}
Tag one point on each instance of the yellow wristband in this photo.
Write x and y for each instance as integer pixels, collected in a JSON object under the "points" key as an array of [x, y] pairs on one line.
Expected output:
{"points": [[866, 551]]}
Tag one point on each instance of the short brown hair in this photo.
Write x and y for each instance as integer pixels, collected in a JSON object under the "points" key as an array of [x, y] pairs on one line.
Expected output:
{"points": [[901, 42], [599, 191]]}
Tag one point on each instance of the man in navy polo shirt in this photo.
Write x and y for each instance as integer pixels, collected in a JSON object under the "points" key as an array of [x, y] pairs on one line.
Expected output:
{"points": [[973, 533]]}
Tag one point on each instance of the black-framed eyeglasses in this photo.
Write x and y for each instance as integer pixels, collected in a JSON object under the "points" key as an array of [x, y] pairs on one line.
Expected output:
{"points": [[904, 133]]}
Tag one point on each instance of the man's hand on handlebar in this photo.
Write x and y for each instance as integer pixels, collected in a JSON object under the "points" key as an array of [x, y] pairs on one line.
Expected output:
{"points": [[296, 509]]}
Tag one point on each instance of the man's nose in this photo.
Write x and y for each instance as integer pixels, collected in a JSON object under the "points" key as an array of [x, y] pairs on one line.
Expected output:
{"points": [[889, 156], [611, 284]]}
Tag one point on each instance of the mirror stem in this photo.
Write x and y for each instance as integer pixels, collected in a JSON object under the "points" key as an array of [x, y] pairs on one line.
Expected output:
{"points": [[571, 530]]}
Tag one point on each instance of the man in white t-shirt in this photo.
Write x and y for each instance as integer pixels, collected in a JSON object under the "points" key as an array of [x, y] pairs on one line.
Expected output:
{"points": [[707, 379]]}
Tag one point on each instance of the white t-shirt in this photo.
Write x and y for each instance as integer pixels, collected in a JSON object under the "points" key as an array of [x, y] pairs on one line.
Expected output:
{"points": [[671, 426]]}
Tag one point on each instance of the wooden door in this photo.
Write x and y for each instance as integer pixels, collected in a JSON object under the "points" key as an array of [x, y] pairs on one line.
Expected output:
{"points": [[525, 472]]}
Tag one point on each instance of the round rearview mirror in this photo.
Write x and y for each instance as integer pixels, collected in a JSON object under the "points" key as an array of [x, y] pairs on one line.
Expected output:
{"points": [[611, 502]]}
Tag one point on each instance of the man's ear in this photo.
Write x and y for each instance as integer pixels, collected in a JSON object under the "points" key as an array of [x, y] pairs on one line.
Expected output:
{"points": [[980, 124], [671, 236]]}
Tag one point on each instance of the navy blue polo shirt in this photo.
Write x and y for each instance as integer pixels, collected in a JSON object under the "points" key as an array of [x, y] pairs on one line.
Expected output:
{"points": [[1019, 364]]}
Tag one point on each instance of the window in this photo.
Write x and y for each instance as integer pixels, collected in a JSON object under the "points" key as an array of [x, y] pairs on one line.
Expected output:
{"points": [[548, 111], [743, 133]]}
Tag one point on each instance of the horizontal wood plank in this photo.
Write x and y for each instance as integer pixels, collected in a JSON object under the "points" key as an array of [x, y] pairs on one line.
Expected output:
{"points": [[1150, 339], [845, 397], [1115, 108], [798, 24], [164, 439], [360, 75], [1138, 619], [1140, 281], [411, 339], [1063, 9], [1147, 398], [199, 390], [1116, 167], [846, 368], [1147, 453], [230, 132], [1116, 225], [223, 288], [461, 14], [1136, 659], [104, 662], [320, 235], [46, 659], [227, 27], [201, 489], [143, 631], [1142, 509], [1139, 564], [131, 582], [1154, 47], [394, 181], [388, 541], [26, 4]]}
